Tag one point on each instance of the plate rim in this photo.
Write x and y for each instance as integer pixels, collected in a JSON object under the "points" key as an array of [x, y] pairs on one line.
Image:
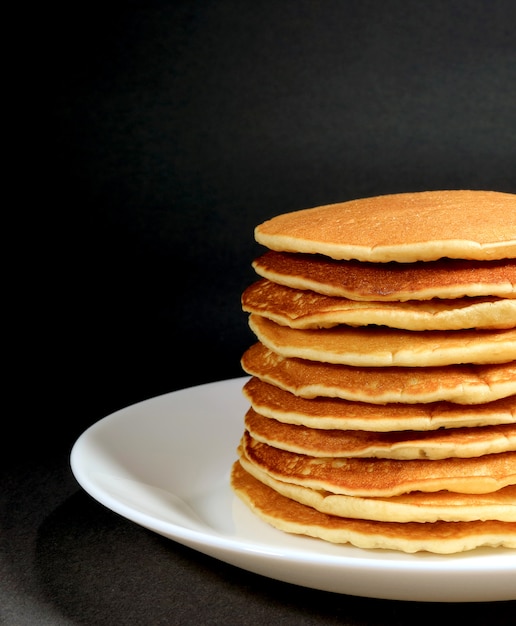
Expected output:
{"points": [[208, 542]]}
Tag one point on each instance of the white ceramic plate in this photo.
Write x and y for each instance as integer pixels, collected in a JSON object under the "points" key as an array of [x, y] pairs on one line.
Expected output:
{"points": [[164, 463]]}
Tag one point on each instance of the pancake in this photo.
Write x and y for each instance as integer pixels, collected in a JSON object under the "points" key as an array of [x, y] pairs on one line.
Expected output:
{"points": [[304, 309], [413, 507], [407, 227], [439, 537], [386, 347], [338, 414], [383, 477], [463, 384], [401, 445], [383, 382], [389, 282]]}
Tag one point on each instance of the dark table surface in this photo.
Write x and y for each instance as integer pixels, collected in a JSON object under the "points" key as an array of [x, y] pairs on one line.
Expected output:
{"points": [[66, 559], [150, 140]]}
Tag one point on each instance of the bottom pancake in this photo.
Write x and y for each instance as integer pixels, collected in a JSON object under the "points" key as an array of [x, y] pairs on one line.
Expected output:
{"points": [[439, 537]]}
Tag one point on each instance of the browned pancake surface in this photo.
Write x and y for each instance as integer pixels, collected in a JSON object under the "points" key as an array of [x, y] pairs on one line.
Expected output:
{"points": [[416, 506], [464, 384], [441, 444], [336, 413], [383, 477], [408, 227], [307, 309], [445, 278], [440, 537], [386, 347]]}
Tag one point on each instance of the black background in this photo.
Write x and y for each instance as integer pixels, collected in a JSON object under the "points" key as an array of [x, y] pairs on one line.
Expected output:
{"points": [[170, 129], [150, 139]]}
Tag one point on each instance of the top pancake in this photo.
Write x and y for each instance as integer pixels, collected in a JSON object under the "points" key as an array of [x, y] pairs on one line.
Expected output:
{"points": [[408, 227]]}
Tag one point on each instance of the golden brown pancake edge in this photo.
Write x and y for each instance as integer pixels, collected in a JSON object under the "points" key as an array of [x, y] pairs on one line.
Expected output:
{"points": [[404, 227]]}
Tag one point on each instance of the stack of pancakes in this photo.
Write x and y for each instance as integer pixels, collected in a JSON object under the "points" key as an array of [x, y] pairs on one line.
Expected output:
{"points": [[383, 382]]}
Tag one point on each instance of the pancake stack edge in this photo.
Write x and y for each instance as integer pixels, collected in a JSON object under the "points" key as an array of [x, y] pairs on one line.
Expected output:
{"points": [[383, 380]]}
